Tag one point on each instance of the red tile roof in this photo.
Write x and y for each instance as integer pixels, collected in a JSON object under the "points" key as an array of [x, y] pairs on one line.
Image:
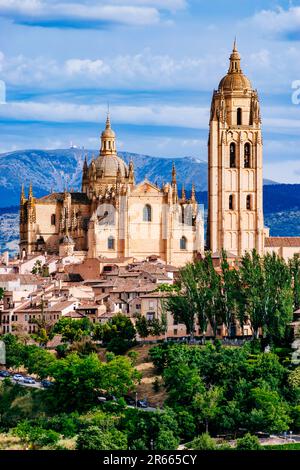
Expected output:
{"points": [[272, 242]]}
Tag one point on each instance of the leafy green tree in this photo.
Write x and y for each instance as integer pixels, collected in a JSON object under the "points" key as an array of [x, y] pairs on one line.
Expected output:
{"points": [[182, 383], [294, 378], [15, 351], [206, 404], [1, 293], [73, 330], [270, 412], [202, 442], [34, 436], [38, 361], [294, 265], [119, 334], [166, 440], [248, 442], [142, 326], [93, 438]]}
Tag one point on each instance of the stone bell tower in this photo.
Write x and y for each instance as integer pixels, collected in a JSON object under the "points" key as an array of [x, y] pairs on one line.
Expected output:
{"points": [[235, 186]]}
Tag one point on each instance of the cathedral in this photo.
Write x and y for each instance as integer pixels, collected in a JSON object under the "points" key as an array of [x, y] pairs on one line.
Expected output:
{"points": [[114, 218]]}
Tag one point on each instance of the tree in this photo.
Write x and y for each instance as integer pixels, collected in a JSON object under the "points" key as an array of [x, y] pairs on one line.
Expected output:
{"points": [[78, 381], [166, 440], [248, 442], [119, 334], [269, 412], [38, 361], [294, 265], [206, 404], [294, 378], [142, 326], [73, 330], [202, 442], [35, 436], [93, 438], [15, 351]]}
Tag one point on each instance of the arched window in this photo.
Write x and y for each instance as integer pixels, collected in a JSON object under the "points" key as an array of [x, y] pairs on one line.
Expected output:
{"points": [[232, 155], [147, 213], [231, 202], [183, 243], [239, 116], [111, 243], [247, 155], [249, 202], [53, 219]]}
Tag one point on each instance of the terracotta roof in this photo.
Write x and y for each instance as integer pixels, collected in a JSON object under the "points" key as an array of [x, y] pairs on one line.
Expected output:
{"points": [[59, 306], [272, 242]]}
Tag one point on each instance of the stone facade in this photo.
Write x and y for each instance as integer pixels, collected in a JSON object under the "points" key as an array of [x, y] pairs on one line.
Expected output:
{"points": [[113, 217]]}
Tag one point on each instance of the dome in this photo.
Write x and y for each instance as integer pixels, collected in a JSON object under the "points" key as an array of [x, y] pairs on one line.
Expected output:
{"points": [[108, 133], [109, 165], [235, 82]]}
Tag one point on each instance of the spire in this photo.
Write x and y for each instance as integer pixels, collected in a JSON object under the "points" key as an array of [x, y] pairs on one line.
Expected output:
{"points": [[183, 196], [234, 46], [108, 126], [30, 194], [85, 165], [193, 195], [22, 194], [235, 60], [131, 172], [108, 139], [174, 181]]}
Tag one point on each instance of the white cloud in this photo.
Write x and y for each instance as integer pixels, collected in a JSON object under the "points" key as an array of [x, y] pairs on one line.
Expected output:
{"points": [[142, 70], [46, 13], [181, 116], [278, 21], [86, 66]]}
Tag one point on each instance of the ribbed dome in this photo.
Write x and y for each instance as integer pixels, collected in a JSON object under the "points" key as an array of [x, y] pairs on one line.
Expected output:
{"points": [[108, 166], [235, 82]]}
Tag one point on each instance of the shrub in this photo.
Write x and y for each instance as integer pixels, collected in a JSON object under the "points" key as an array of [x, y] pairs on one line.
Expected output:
{"points": [[248, 442], [202, 442]]}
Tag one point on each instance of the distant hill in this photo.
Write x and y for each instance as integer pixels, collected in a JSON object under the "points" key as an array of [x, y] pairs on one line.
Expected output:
{"points": [[53, 169]]}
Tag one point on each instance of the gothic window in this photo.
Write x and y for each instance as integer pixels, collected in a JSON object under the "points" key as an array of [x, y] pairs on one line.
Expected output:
{"points": [[147, 213], [232, 155], [53, 219], [183, 243], [231, 202], [111, 243], [239, 117], [247, 155], [249, 202]]}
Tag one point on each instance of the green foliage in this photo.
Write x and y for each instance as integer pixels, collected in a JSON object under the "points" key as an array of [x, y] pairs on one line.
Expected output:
{"points": [[294, 378], [270, 412], [93, 438], [166, 440], [202, 442], [73, 330], [35, 436], [119, 334], [248, 442]]}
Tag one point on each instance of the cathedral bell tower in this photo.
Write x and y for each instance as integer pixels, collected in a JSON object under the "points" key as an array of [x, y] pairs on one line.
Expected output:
{"points": [[235, 186]]}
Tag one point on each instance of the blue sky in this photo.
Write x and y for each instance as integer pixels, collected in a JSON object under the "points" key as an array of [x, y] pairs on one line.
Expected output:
{"points": [[156, 62]]}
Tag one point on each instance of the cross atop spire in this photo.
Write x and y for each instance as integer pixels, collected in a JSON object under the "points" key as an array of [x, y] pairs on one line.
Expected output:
{"points": [[235, 60], [234, 45]]}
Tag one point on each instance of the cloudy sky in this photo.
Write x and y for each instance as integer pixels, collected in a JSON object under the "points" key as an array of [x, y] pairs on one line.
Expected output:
{"points": [[156, 62]]}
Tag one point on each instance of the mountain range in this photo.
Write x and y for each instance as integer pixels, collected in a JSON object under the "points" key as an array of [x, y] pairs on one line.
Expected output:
{"points": [[56, 169]]}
